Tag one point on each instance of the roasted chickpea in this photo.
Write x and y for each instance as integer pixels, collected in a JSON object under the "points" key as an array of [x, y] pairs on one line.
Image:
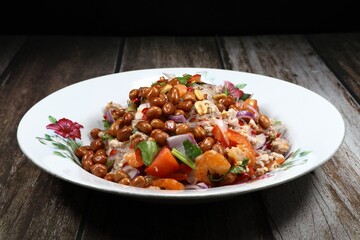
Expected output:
{"points": [[182, 129], [153, 112], [99, 170], [128, 117], [157, 123], [96, 144], [144, 126], [124, 133], [157, 101], [160, 137], [185, 105], [94, 133], [168, 108], [199, 133], [80, 151], [207, 144], [134, 93], [170, 126], [264, 121]]}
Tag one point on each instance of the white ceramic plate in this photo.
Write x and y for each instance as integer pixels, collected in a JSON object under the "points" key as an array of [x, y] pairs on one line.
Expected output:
{"points": [[315, 127]]}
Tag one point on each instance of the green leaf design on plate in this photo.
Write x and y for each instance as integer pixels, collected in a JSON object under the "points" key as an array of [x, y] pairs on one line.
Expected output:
{"points": [[295, 158]]}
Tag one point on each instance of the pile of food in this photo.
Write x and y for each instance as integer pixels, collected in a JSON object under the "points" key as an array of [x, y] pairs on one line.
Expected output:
{"points": [[182, 133]]}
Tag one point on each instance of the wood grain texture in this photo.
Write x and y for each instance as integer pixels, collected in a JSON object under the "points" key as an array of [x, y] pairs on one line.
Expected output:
{"points": [[160, 220], [9, 47], [341, 52], [323, 204], [33, 204]]}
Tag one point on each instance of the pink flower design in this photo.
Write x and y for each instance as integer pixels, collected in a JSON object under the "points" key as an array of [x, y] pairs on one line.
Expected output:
{"points": [[66, 128], [232, 90]]}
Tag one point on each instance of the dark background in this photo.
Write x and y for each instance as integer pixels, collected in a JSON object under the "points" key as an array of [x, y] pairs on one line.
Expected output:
{"points": [[177, 17]]}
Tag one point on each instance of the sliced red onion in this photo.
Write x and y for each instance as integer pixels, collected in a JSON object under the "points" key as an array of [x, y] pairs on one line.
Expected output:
{"points": [[256, 113], [131, 171], [245, 114], [198, 186], [176, 141], [109, 117], [260, 141], [177, 118]]}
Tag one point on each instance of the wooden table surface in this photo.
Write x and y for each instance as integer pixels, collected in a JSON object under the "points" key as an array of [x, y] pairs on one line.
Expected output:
{"points": [[324, 204]]}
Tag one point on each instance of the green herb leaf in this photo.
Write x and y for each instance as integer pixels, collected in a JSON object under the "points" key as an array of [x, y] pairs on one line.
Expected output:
{"points": [[106, 124], [191, 150], [240, 86], [182, 157], [226, 92], [183, 80], [149, 149]]}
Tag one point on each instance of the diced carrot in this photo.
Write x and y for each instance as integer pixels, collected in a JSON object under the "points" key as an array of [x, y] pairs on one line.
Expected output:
{"points": [[163, 165]]}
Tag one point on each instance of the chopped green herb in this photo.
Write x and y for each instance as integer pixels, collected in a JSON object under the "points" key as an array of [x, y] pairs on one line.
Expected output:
{"points": [[245, 96], [149, 149], [106, 124], [182, 157], [52, 119], [184, 79], [191, 150]]}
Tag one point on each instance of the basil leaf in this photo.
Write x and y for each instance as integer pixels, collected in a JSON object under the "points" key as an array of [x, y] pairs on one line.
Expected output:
{"points": [[149, 149]]}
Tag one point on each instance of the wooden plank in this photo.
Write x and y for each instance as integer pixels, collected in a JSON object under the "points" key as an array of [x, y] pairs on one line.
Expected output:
{"points": [[9, 46], [341, 53], [324, 204], [240, 216], [33, 204]]}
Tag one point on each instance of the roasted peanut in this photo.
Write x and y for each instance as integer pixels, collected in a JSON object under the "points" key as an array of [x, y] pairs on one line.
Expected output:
{"points": [[174, 95], [185, 105], [157, 123], [160, 137], [96, 144], [134, 93], [144, 126], [153, 112], [264, 121], [199, 133], [182, 128], [128, 117], [99, 170], [170, 126], [168, 108], [124, 133]]}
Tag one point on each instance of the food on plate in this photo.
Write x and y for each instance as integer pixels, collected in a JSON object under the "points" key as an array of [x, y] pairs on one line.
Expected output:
{"points": [[181, 133]]}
